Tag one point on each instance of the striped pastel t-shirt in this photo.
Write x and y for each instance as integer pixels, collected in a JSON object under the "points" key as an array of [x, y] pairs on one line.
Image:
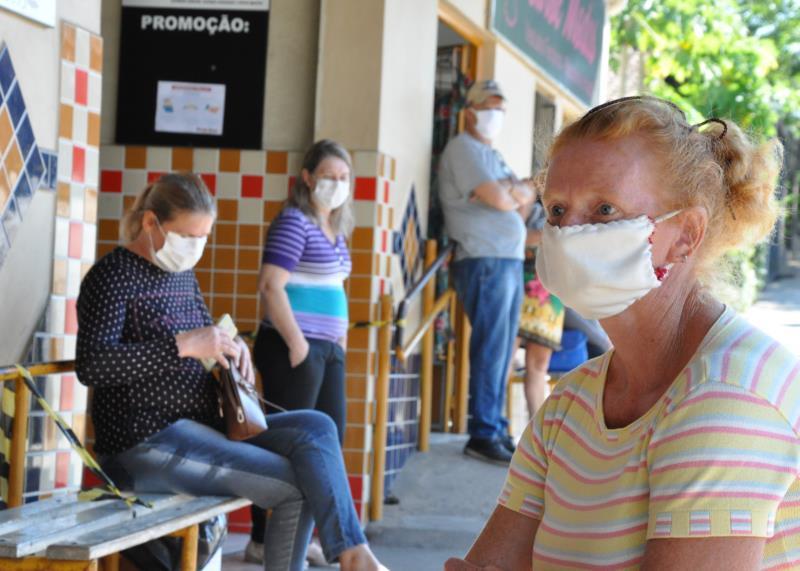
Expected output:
{"points": [[716, 456], [317, 270]]}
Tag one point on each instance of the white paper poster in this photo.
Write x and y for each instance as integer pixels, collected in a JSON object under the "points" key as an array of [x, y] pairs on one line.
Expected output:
{"points": [[194, 108], [43, 11]]}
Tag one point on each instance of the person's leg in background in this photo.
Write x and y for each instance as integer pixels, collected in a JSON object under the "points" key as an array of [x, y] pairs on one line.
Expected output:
{"points": [[509, 276], [537, 361], [484, 301], [292, 388]]}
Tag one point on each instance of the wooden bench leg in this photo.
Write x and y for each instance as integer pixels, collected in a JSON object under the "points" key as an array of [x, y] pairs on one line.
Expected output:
{"points": [[189, 552], [42, 564]]}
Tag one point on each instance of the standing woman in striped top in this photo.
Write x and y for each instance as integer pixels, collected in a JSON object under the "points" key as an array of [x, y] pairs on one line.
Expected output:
{"points": [[300, 349]]}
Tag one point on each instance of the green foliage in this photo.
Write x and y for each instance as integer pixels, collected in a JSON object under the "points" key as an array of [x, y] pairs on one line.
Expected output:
{"points": [[730, 58]]}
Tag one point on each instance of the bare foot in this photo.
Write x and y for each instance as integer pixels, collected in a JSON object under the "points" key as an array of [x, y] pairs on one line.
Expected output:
{"points": [[360, 558]]}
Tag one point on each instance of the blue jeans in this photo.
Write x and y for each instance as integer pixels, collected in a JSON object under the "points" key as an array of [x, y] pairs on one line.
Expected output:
{"points": [[491, 291], [295, 467]]}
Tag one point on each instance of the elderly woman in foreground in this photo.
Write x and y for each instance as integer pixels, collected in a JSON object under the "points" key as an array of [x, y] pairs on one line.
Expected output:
{"points": [[677, 449]]}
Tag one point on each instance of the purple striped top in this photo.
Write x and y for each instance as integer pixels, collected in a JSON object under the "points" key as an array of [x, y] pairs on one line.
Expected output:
{"points": [[317, 270]]}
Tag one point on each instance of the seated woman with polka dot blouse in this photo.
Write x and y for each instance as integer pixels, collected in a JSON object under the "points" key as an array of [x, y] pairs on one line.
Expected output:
{"points": [[143, 331]]}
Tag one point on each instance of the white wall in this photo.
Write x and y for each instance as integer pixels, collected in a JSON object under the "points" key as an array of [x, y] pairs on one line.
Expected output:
{"points": [[519, 85], [475, 10]]}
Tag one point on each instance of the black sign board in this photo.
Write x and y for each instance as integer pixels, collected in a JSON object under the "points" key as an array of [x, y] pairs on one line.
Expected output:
{"points": [[192, 72]]}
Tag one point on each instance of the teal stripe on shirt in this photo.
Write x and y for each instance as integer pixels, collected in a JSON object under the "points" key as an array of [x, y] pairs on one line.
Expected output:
{"points": [[328, 301]]}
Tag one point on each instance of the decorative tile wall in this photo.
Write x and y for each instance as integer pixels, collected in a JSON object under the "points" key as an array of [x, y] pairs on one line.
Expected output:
{"points": [[21, 165], [52, 467], [403, 418], [408, 242]]}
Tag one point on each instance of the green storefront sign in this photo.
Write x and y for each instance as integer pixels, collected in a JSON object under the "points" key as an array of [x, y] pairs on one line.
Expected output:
{"points": [[562, 37]]}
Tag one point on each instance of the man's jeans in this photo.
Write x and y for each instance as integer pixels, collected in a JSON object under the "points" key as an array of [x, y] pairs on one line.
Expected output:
{"points": [[294, 467], [491, 291]]}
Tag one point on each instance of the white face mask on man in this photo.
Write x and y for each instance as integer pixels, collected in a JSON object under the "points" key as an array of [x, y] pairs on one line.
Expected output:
{"points": [[489, 122], [600, 270], [330, 193], [179, 253]]}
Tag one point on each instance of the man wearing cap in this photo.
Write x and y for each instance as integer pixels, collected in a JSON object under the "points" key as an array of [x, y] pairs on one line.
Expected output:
{"points": [[482, 199]]}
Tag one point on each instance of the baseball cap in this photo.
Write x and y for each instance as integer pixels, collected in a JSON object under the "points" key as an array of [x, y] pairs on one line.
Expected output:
{"points": [[482, 90]]}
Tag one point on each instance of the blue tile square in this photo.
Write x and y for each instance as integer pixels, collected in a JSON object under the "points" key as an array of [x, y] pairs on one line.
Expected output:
{"points": [[16, 105], [23, 194], [35, 169], [25, 136], [6, 70]]}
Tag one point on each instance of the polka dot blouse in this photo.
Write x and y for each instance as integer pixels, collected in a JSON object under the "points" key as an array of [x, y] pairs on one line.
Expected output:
{"points": [[129, 312]]}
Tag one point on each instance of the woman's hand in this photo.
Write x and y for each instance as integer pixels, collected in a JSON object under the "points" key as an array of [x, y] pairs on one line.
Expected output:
{"points": [[454, 564], [245, 363], [298, 351], [208, 343]]}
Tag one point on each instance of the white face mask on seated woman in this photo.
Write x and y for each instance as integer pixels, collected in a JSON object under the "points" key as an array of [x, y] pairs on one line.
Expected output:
{"points": [[179, 253], [600, 270]]}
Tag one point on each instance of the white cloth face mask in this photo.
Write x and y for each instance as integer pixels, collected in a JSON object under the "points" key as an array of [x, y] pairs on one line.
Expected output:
{"points": [[599, 270], [489, 122], [331, 194], [179, 253]]}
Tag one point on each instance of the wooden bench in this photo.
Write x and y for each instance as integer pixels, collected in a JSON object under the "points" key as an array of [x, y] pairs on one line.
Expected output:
{"points": [[64, 534]]}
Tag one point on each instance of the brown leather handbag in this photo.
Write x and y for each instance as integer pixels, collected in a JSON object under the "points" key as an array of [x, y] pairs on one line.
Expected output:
{"points": [[239, 404]]}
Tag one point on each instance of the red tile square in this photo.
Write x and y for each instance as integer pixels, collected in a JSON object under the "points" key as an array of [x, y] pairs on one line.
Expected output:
{"points": [[252, 186], [78, 163], [383, 283], [356, 486], [384, 241], [154, 176], [75, 240], [365, 188], [110, 181], [67, 391], [62, 469], [291, 185], [386, 192], [71, 317], [211, 182], [81, 87]]}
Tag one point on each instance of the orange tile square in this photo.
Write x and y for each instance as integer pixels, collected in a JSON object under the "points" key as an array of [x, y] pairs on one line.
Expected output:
{"points": [[249, 260], [246, 310], [96, 53], [65, 121], [5, 192], [250, 235], [206, 261], [7, 130], [277, 162], [225, 234], [220, 306], [182, 159], [90, 206], [355, 462], [222, 282], [379, 215], [362, 263], [224, 258], [360, 288], [93, 137], [68, 42], [108, 230], [127, 202], [85, 270], [56, 348], [358, 339], [390, 223], [60, 277], [103, 249], [359, 363], [228, 210], [271, 209], [13, 164], [229, 160], [359, 310], [247, 284], [203, 280], [356, 387], [362, 238], [358, 412], [135, 157], [354, 437]]}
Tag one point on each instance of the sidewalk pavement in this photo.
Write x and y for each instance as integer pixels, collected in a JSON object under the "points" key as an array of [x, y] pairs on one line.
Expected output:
{"points": [[445, 497]]}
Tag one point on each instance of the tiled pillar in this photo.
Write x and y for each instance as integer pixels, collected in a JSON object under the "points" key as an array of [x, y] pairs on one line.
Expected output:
{"points": [[51, 464]]}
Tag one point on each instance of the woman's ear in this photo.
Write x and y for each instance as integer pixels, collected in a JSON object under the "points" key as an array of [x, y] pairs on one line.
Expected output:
{"points": [[307, 178], [694, 221], [149, 221]]}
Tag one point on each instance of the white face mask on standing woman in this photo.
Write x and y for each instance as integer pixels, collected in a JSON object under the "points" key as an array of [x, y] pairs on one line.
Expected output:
{"points": [[489, 122], [179, 253], [331, 194], [600, 270]]}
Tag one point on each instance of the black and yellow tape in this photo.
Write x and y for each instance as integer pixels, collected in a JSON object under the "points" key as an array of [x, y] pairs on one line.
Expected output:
{"points": [[110, 491]]}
